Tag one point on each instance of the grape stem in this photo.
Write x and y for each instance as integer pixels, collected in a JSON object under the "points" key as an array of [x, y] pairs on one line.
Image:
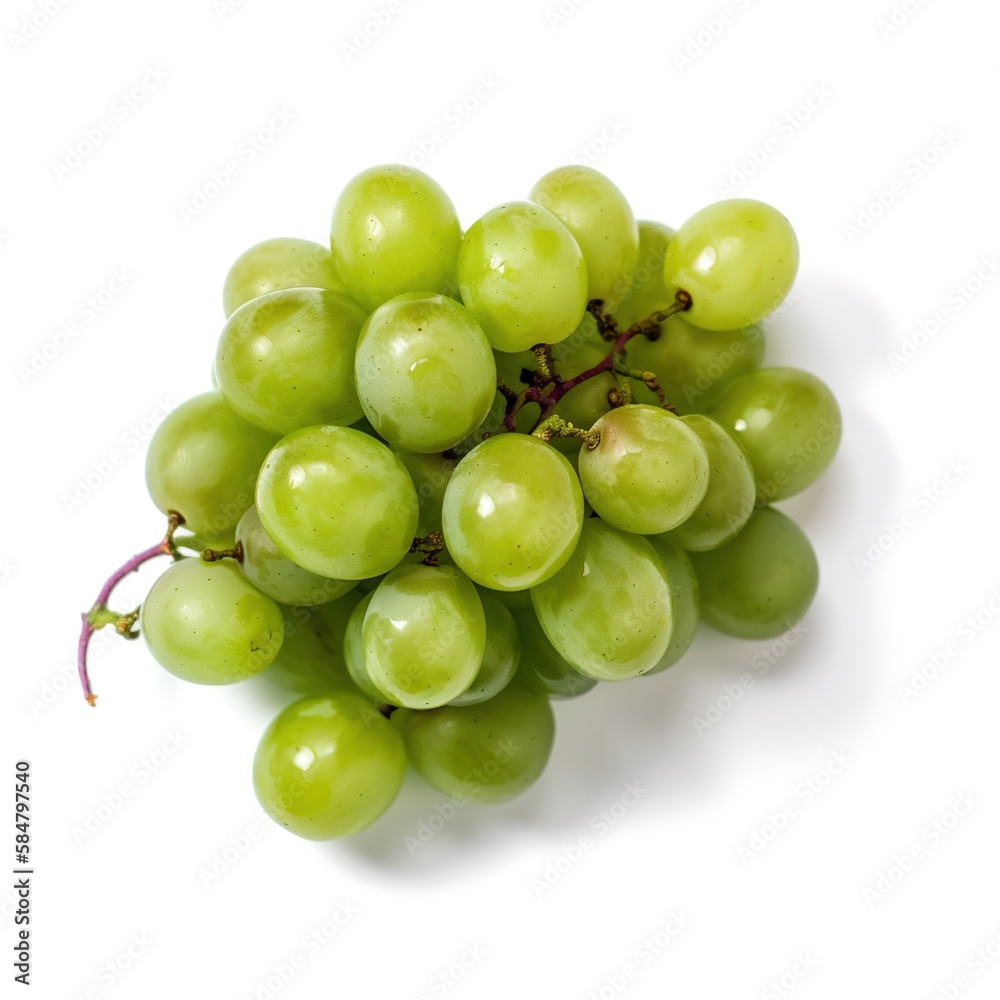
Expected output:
{"points": [[432, 545], [214, 555], [613, 362], [100, 614]]}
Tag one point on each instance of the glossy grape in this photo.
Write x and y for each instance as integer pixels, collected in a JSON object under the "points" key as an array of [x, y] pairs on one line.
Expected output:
{"points": [[431, 475], [203, 461], [762, 582], [487, 753], [205, 624], [542, 669], [394, 230], [522, 275], [337, 502], [608, 611], [789, 423], [648, 473], [425, 372], [500, 658], [424, 635], [737, 260], [512, 512], [354, 652], [286, 359], [684, 594], [598, 215], [283, 262], [328, 766]]}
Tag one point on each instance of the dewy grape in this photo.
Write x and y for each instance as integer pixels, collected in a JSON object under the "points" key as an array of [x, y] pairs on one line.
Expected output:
{"points": [[447, 476]]}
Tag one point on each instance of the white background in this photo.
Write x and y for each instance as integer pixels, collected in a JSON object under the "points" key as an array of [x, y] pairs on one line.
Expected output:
{"points": [[601, 84]]}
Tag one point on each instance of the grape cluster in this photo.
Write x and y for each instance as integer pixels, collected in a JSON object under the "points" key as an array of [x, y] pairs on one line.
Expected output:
{"points": [[447, 476]]}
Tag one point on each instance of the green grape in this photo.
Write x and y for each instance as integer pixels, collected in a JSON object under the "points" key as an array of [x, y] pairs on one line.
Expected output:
{"points": [[608, 611], [394, 230], [283, 262], [425, 372], [337, 502], [694, 366], [644, 293], [501, 657], [789, 423], [737, 260], [354, 652], [431, 475], [276, 575], [542, 669], [491, 752], [286, 359], [729, 500], [762, 582], [512, 512], [311, 658], [424, 635], [522, 275], [648, 473], [683, 584], [514, 601], [328, 766], [601, 221], [205, 624], [203, 462]]}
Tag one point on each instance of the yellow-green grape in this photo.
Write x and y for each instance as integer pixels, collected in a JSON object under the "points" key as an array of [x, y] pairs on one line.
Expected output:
{"points": [[491, 752], [500, 658], [644, 292], [608, 611], [311, 658], [601, 221], [424, 635], [425, 372], [694, 366], [286, 359], [512, 512], [731, 495], [683, 584], [337, 502], [789, 423], [762, 582], [205, 624], [648, 473], [431, 475], [542, 669], [737, 260], [354, 653], [394, 230], [283, 262], [203, 462], [522, 275], [276, 575], [328, 766]]}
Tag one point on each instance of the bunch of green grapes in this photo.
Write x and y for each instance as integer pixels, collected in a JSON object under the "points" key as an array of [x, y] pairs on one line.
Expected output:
{"points": [[447, 476]]}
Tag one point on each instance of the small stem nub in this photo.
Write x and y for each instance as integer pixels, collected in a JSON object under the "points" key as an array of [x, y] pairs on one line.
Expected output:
{"points": [[432, 544], [214, 555], [555, 426]]}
